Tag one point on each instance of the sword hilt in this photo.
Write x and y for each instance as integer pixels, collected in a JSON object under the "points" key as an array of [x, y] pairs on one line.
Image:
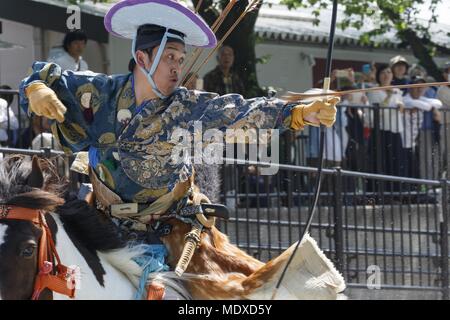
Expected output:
{"points": [[192, 240]]}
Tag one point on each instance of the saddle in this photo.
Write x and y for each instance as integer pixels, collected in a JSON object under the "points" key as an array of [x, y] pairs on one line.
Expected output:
{"points": [[184, 202]]}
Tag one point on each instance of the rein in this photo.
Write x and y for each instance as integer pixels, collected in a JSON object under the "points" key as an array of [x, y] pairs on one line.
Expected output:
{"points": [[59, 279]]}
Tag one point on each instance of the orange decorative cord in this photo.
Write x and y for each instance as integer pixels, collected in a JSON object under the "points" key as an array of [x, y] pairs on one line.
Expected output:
{"points": [[155, 291]]}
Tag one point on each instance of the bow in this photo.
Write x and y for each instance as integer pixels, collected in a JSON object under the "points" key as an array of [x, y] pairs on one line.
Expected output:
{"points": [[326, 87], [294, 96]]}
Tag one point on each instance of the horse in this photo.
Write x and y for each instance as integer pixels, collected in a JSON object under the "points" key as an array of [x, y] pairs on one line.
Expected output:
{"points": [[87, 238], [82, 236]]}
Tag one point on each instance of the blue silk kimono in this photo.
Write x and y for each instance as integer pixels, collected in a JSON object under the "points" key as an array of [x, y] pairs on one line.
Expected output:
{"points": [[130, 146]]}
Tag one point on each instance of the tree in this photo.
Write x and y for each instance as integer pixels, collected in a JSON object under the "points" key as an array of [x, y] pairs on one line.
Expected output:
{"points": [[242, 39], [400, 16]]}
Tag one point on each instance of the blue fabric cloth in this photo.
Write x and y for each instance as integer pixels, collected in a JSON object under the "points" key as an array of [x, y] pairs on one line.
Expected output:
{"points": [[93, 157], [151, 260], [133, 144]]}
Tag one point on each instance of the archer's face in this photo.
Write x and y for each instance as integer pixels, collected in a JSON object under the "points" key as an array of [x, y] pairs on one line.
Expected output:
{"points": [[167, 74]]}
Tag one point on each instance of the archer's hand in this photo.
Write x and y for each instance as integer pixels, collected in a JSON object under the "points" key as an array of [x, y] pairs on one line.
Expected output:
{"points": [[314, 114], [44, 102]]}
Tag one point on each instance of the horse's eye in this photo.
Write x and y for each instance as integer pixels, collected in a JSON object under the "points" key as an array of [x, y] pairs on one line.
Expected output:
{"points": [[28, 251]]}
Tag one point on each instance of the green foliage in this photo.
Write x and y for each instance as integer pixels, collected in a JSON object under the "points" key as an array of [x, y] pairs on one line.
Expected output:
{"points": [[398, 16], [264, 59], [388, 15]]}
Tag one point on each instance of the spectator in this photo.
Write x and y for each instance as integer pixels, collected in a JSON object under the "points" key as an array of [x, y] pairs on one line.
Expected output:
{"points": [[429, 153], [417, 70], [399, 66], [334, 150], [353, 136], [223, 79], [415, 105], [385, 142], [45, 140], [8, 120], [70, 58], [443, 94], [369, 74]]}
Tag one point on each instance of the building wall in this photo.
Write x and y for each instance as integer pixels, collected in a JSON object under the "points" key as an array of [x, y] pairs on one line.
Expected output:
{"points": [[119, 51], [36, 43], [290, 65], [95, 53], [14, 63]]}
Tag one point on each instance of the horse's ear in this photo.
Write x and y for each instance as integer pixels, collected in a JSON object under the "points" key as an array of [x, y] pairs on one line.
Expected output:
{"points": [[36, 178]]}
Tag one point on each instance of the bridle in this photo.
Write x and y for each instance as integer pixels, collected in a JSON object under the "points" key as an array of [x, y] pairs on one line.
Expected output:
{"points": [[59, 279]]}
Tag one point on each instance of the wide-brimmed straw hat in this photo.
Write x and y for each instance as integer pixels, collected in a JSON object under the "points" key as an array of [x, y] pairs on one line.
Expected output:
{"points": [[125, 17]]}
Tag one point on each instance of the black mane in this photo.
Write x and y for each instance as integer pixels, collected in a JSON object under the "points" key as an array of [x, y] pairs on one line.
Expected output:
{"points": [[15, 171], [93, 229], [35, 183]]}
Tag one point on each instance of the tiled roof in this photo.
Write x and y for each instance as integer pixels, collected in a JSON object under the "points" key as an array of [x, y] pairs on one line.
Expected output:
{"points": [[276, 22]]}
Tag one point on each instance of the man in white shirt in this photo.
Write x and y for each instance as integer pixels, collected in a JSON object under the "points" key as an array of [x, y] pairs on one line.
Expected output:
{"points": [[8, 121], [70, 58], [418, 141]]}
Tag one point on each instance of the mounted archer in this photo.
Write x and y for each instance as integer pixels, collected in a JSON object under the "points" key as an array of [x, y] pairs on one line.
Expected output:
{"points": [[126, 123]]}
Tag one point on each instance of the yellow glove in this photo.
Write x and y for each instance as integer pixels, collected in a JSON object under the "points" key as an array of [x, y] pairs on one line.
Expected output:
{"points": [[44, 102], [320, 112]]}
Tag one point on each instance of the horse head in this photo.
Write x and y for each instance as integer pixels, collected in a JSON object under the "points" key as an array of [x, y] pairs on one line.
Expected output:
{"points": [[26, 184]]}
